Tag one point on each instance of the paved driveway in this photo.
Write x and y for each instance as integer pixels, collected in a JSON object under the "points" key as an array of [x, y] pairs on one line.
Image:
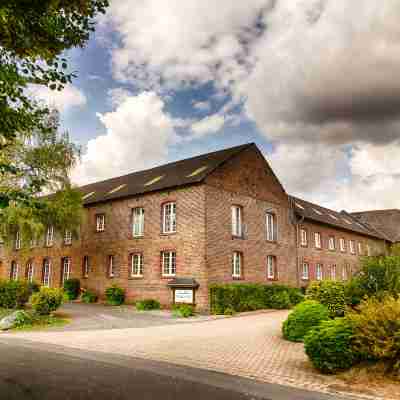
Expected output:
{"points": [[86, 317], [250, 346]]}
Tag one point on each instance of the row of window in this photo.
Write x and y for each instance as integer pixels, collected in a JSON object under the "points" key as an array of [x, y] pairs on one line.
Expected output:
{"points": [[332, 243], [238, 226], [325, 272]]}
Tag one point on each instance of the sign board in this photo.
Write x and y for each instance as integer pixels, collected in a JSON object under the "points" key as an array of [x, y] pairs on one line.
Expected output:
{"points": [[184, 296]]}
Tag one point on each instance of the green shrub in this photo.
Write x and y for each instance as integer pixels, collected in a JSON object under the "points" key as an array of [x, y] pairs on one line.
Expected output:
{"points": [[329, 346], [303, 318], [242, 297], [23, 318], [72, 288], [47, 300], [115, 295], [147, 304], [229, 311], [296, 296], [89, 297], [380, 276], [354, 293], [329, 293], [377, 330], [13, 294], [33, 287], [183, 310], [280, 301]]}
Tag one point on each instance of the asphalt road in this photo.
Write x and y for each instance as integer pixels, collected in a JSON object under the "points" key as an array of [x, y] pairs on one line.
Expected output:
{"points": [[40, 372]]}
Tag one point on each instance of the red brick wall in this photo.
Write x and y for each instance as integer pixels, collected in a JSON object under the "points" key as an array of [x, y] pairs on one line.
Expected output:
{"points": [[117, 240], [247, 180], [326, 257]]}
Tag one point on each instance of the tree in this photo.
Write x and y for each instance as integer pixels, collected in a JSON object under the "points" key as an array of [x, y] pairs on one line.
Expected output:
{"points": [[35, 157]]}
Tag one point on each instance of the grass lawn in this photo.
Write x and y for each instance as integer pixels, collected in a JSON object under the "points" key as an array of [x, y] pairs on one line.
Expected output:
{"points": [[38, 322]]}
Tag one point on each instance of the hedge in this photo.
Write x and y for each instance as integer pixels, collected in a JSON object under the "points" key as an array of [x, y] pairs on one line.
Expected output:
{"points": [[47, 300], [242, 297], [14, 294], [72, 288]]}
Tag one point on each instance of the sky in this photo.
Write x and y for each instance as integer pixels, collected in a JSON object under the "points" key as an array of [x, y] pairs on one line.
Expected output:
{"points": [[314, 83]]}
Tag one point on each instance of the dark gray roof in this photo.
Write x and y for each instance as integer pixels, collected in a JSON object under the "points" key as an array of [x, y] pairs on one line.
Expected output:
{"points": [[336, 219], [385, 221], [180, 173]]}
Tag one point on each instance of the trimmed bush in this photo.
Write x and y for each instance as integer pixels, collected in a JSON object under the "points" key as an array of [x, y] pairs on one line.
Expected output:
{"points": [[147, 305], [329, 293], [23, 318], [377, 330], [47, 300], [280, 301], [329, 346], [242, 297], [183, 310], [302, 319], [13, 294], [115, 295], [72, 288], [354, 293], [89, 297]]}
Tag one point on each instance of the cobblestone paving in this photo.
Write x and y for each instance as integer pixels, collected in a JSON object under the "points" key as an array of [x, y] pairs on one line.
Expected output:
{"points": [[250, 346]]}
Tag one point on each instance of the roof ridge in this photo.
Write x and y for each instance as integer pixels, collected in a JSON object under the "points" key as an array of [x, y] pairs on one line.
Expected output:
{"points": [[172, 163]]}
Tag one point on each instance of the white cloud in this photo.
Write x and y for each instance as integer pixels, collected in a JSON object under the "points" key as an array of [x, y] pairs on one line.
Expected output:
{"points": [[318, 77], [137, 136], [208, 125], [64, 100], [202, 105]]}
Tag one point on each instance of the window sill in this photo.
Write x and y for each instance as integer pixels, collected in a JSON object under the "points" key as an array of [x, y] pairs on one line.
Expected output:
{"points": [[275, 241], [237, 278], [238, 237], [167, 233], [137, 237], [133, 278], [168, 276]]}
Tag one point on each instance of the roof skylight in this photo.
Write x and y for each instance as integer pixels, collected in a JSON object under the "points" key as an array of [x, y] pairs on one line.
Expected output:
{"points": [[317, 211], [87, 195], [347, 221], [197, 171], [333, 216], [299, 205], [117, 188], [154, 180]]}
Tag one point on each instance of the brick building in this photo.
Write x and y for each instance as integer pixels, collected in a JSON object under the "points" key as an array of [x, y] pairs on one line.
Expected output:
{"points": [[218, 217]]}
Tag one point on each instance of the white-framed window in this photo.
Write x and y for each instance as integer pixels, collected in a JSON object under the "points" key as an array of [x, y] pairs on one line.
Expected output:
{"points": [[111, 266], [67, 237], [137, 265], [168, 263], [271, 226], [318, 241], [342, 244], [86, 266], [319, 274], [333, 272], [138, 221], [345, 272], [100, 222], [303, 237], [46, 273], [49, 236], [368, 250], [66, 269], [360, 249], [29, 271], [332, 243], [237, 221], [14, 271], [169, 217], [271, 268], [352, 245], [305, 271], [237, 264], [17, 240]]}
